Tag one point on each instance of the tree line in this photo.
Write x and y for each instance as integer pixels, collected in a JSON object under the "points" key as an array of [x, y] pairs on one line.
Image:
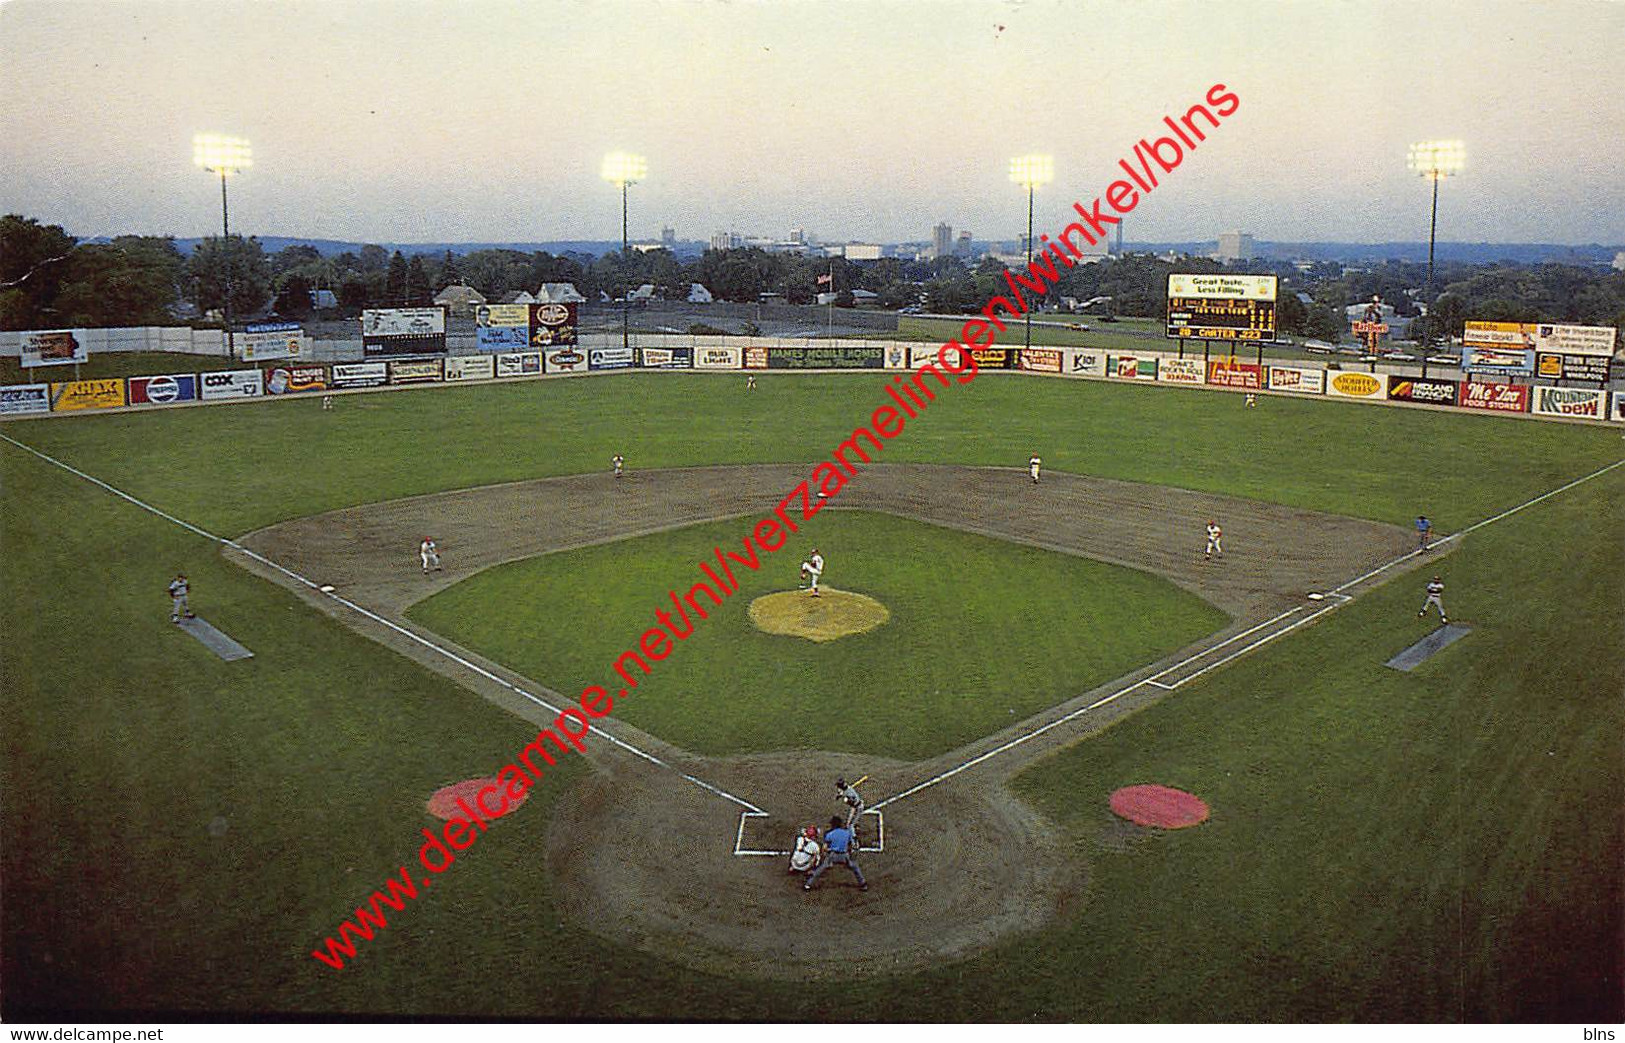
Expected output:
{"points": [[50, 279]]}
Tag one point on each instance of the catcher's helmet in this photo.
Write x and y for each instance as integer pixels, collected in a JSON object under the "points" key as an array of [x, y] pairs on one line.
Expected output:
{"points": [[811, 832]]}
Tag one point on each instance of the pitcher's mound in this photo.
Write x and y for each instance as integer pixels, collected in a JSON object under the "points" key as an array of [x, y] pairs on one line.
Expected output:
{"points": [[833, 614], [1159, 806]]}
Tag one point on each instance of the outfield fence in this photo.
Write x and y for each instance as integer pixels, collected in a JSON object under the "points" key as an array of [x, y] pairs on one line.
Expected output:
{"points": [[337, 366]]}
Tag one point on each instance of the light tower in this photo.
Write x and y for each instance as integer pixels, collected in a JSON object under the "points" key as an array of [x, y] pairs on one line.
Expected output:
{"points": [[223, 155], [624, 169], [1031, 171], [1435, 160]]}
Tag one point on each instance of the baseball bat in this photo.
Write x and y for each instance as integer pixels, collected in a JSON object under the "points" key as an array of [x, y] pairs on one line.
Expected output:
{"points": [[860, 782]]}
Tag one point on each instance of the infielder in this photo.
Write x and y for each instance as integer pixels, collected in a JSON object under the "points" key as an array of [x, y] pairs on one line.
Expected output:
{"points": [[429, 554], [1424, 532], [619, 462], [1435, 600], [1215, 536], [1032, 467], [848, 795], [812, 569], [837, 852], [179, 606]]}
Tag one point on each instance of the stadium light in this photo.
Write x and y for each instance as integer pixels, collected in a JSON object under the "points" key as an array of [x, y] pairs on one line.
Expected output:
{"points": [[1030, 172], [624, 169], [223, 155], [1435, 160]]}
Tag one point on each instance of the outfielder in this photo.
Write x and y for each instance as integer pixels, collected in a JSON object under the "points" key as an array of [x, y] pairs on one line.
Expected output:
{"points": [[812, 569], [838, 844], [1032, 467], [619, 462], [1435, 600], [179, 606], [1215, 536], [429, 554]]}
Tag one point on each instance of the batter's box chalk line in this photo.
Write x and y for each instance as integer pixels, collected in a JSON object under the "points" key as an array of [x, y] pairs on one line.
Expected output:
{"points": [[746, 816]]}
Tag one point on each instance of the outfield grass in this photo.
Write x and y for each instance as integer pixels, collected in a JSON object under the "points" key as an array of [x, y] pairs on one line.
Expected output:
{"points": [[286, 458], [104, 365], [1439, 845], [982, 633]]}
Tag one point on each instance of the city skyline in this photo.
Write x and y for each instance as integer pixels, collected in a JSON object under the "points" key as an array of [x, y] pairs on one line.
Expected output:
{"points": [[419, 122]]}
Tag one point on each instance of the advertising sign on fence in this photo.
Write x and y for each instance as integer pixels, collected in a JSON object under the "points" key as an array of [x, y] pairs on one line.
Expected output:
{"points": [[718, 358], [163, 390], [291, 380], [1041, 360], [53, 347], [919, 355], [519, 364], [25, 398], [897, 357], [470, 367], [87, 394], [271, 340], [415, 371], [552, 325], [1129, 367], [1616, 403], [565, 360], [1433, 392], [1301, 379], [403, 331], [1181, 371], [1494, 396], [993, 358], [668, 358], [502, 338], [1227, 372], [1082, 363], [1593, 369], [610, 358], [237, 383], [1344, 384], [502, 316], [359, 374], [1582, 403], [823, 358]]}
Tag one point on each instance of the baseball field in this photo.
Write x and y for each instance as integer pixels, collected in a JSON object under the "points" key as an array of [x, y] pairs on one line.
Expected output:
{"points": [[1438, 845]]}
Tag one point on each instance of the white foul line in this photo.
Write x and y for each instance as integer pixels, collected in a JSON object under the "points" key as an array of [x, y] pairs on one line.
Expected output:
{"points": [[390, 624]]}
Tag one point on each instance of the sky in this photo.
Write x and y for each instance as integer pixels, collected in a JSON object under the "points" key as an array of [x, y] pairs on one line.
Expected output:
{"points": [[857, 120]]}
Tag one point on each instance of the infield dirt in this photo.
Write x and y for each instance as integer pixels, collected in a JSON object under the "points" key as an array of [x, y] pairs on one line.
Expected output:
{"points": [[965, 863]]}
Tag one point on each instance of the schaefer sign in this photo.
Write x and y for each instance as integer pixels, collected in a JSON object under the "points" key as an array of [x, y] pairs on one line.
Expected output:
{"points": [[53, 348], [552, 325], [403, 331], [163, 390], [1583, 403], [1436, 392], [87, 394], [271, 340], [1494, 396], [237, 383], [1222, 307], [1356, 385]]}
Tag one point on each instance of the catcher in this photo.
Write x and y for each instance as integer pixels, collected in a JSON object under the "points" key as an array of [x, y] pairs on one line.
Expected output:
{"points": [[808, 853]]}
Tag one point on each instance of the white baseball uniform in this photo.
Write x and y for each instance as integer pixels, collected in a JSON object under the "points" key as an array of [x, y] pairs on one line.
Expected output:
{"points": [[815, 569], [1032, 467], [430, 555], [1214, 535]]}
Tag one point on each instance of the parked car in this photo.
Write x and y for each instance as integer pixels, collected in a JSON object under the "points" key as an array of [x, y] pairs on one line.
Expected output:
{"points": [[1445, 360]]}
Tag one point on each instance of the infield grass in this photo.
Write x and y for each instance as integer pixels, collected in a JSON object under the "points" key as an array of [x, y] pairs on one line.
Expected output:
{"points": [[983, 633]]}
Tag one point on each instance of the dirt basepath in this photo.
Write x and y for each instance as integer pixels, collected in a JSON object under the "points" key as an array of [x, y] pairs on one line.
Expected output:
{"points": [[965, 863]]}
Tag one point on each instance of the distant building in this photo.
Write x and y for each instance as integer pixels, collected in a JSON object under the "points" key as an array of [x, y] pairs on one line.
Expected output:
{"points": [[727, 241], [460, 299], [1619, 261], [642, 293], [668, 237], [962, 246], [862, 251], [323, 299], [865, 298], [518, 297], [797, 235], [942, 240], [1235, 246], [558, 293], [698, 294]]}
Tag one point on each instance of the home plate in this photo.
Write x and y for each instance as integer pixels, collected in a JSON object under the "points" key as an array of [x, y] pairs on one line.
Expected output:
{"points": [[1445, 635], [214, 640]]}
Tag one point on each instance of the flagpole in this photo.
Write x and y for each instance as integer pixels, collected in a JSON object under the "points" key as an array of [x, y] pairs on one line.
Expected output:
{"points": [[832, 300]]}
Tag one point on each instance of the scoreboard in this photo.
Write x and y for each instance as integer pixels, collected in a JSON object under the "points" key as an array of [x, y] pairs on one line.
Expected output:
{"points": [[1222, 307]]}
